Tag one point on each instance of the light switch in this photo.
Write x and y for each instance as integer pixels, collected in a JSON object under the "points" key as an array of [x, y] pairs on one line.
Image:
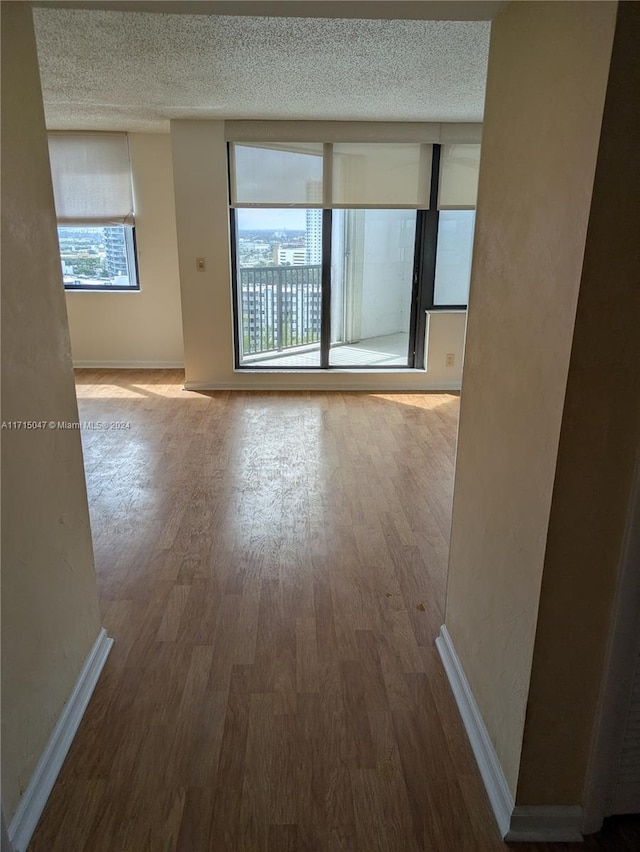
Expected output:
{"points": [[200, 264]]}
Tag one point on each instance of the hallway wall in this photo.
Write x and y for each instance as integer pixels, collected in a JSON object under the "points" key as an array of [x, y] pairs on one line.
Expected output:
{"points": [[599, 444], [547, 78], [50, 615]]}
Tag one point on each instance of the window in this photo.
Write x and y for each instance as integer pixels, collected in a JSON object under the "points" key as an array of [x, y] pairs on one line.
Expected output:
{"points": [[457, 192], [278, 283], [340, 248], [98, 258], [372, 262], [453, 258], [277, 193], [94, 206]]}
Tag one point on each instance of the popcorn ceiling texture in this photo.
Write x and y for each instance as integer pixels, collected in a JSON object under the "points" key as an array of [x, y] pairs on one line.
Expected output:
{"points": [[135, 71]]}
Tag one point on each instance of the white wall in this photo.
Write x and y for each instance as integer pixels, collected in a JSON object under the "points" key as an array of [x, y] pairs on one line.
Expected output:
{"points": [[50, 614], [202, 219], [141, 329]]}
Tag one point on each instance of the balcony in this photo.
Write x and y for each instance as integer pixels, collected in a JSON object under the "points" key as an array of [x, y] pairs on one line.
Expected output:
{"points": [[281, 308], [281, 323]]}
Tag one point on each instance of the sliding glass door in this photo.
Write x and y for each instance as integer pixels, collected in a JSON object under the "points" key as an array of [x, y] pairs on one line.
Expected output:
{"points": [[334, 250], [372, 261]]}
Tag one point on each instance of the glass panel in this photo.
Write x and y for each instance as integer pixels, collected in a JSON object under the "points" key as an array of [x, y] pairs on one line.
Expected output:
{"points": [[381, 174], [97, 258], [279, 287], [459, 168], [371, 285], [453, 257], [271, 175]]}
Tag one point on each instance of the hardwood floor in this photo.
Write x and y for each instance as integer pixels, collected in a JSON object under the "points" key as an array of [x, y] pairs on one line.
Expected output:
{"points": [[272, 568]]}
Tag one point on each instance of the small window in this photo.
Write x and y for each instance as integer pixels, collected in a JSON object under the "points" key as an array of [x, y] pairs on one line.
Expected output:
{"points": [[453, 258], [98, 258], [93, 193]]}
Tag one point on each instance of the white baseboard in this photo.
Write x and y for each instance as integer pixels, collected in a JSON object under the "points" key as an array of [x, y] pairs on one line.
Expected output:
{"points": [[5, 844], [35, 796], [516, 823], [275, 384], [495, 783], [540, 824], [128, 365]]}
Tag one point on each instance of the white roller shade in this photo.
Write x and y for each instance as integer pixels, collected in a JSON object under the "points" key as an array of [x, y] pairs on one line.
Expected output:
{"points": [[459, 166], [381, 175], [91, 178], [278, 175]]}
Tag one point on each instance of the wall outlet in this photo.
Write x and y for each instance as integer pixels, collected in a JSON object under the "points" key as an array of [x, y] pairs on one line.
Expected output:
{"points": [[450, 360]]}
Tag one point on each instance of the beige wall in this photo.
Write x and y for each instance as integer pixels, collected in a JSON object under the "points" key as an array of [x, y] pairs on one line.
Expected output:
{"points": [[50, 616], [141, 329], [547, 75], [202, 218], [445, 336], [599, 442]]}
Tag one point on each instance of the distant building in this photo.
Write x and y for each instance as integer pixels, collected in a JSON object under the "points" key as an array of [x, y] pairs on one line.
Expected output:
{"points": [[289, 255], [314, 223], [116, 251], [281, 308]]}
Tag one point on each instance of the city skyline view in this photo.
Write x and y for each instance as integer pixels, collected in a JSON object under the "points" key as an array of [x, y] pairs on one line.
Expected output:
{"points": [[268, 238], [94, 256]]}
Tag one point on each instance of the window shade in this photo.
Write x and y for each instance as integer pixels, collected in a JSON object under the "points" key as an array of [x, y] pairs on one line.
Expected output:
{"points": [[459, 166], [91, 178], [393, 174], [288, 175]]}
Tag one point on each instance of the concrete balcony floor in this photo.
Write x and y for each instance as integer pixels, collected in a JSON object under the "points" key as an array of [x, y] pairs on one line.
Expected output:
{"points": [[389, 350]]}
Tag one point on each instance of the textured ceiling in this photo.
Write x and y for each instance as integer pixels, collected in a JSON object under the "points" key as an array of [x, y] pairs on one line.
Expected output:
{"points": [[134, 70]]}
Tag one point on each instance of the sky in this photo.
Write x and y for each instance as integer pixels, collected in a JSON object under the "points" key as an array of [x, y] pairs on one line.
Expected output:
{"points": [[280, 219]]}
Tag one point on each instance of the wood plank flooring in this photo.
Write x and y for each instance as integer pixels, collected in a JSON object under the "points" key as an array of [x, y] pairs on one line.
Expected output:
{"points": [[272, 568]]}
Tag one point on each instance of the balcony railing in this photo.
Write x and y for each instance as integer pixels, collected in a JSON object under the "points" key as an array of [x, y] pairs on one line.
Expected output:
{"points": [[281, 307]]}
